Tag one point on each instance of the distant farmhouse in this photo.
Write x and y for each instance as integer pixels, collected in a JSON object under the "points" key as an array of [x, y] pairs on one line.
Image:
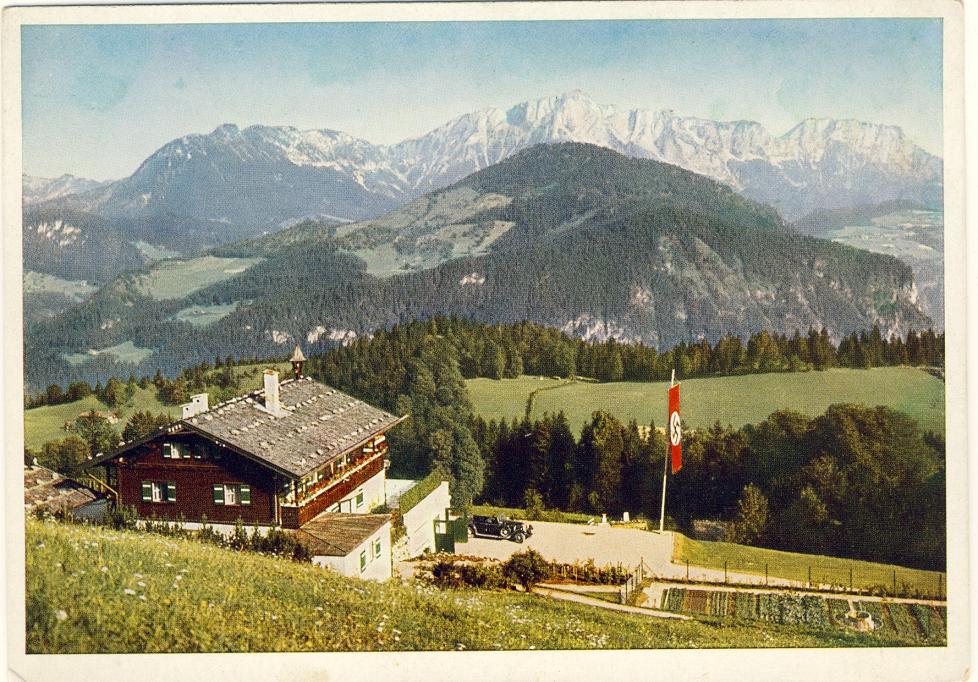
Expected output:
{"points": [[296, 454]]}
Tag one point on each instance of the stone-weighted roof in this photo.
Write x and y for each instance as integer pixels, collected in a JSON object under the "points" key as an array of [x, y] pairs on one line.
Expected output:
{"points": [[46, 489], [317, 424]]}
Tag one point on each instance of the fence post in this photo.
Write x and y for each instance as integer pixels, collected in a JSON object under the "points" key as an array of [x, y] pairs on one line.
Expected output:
{"points": [[809, 575], [940, 585], [765, 575], [724, 570], [687, 570], [850, 578], [894, 582]]}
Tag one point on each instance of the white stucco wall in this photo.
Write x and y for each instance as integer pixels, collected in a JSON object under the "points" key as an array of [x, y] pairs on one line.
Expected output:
{"points": [[419, 522], [373, 495], [377, 569]]}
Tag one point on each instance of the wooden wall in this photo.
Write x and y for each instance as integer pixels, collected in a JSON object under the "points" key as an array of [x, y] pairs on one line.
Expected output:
{"points": [[194, 480]]}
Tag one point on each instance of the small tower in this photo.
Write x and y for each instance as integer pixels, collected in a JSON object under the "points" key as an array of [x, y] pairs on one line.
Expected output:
{"points": [[297, 360]]}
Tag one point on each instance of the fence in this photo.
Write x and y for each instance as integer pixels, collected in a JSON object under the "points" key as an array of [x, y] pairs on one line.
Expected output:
{"points": [[627, 581], [854, 578], [633, 583]]}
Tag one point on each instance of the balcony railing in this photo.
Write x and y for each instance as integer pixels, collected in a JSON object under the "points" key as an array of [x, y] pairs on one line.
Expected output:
{"points": [[340, 475]]}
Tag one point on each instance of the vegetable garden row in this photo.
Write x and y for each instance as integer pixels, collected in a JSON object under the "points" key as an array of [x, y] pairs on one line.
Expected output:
{"points": [[915, 623]]}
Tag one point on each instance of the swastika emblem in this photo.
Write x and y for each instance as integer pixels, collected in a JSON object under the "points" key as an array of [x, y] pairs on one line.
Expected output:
{"points": [[675, 429]]}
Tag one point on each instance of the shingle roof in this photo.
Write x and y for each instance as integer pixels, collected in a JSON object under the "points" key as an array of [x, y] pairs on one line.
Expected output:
{"points": [[319, 424], [338, 534], [45, 489]]}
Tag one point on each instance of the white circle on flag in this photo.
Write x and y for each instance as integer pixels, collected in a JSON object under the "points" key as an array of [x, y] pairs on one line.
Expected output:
{"points": [[675, 429]]}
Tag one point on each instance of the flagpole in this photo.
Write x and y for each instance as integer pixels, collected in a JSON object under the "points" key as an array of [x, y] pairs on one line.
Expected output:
{"points": [[665, 469]]}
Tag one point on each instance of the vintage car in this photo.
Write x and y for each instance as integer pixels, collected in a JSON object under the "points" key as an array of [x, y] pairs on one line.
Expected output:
{"points": [[500, 527]]}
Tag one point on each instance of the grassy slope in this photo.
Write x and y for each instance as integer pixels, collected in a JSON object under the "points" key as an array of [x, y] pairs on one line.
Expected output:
{"points": [[825, 569], [225, 601], [43, 424], [179, 278], [735, 400]]}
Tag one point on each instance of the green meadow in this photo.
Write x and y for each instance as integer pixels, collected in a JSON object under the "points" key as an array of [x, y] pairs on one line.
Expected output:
{"points": [[123, 352], [179, 278], [734, 400], [794, 566]]}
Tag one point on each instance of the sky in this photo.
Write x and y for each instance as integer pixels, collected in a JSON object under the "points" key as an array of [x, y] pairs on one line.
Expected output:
{"points": [[98, 100]]}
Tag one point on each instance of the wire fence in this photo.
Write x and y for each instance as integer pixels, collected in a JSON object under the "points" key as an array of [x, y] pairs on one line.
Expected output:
{"points": [[850, 578]]}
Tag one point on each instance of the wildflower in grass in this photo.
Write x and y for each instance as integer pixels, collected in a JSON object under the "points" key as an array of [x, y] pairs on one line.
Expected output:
{"points": [[104, 569], [143, 597], [61, 615], [129, 591], [141, 584], [40, 545], [137, 575], [178, 577]]}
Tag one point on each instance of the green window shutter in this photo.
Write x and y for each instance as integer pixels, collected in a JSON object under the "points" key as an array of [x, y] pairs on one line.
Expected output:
{"points": [[168, 450], [171, 491], [218, 493], [147, 491], [363, 560], [185, 450], [245, 491]]}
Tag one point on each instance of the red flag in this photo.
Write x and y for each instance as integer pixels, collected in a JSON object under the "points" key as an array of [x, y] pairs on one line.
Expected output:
{"points": [[675, 430]]}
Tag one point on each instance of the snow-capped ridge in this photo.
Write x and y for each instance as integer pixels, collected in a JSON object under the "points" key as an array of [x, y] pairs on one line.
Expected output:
{"points": [[817, 163]]}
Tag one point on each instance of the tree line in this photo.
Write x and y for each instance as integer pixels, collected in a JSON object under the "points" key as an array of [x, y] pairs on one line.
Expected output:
{"points": [[859, 482]]}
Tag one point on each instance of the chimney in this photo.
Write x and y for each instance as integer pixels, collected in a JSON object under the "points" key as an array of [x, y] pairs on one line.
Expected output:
{"points": [[271, 392], [197, 404]]}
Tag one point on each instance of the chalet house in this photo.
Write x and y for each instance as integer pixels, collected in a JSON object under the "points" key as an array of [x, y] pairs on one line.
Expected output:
{"points": [[296, 454]]}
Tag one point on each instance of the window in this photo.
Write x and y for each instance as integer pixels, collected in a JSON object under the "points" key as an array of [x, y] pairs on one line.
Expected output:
{"points": [[232, 494], [178, 451], [363, 561], [359, 498], [377, 548], [159, 491]]}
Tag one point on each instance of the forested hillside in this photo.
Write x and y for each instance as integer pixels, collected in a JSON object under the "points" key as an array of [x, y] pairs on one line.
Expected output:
{"points": [[597, 244]]}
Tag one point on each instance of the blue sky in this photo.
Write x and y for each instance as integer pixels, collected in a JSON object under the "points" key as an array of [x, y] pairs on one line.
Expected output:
{"points": [[97, 100]]}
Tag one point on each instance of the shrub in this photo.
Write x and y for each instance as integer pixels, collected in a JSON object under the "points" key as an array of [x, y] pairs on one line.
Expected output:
{"points": [[239, 537], [121, 517], [533, 502], [527, 568]]}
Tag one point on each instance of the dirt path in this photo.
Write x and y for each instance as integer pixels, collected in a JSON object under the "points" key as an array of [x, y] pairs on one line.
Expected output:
{"points": [[579, 598]]}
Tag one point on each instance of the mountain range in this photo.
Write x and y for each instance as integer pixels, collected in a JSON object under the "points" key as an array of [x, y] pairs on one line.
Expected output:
{"points": [[235, 183], [574, 236]]}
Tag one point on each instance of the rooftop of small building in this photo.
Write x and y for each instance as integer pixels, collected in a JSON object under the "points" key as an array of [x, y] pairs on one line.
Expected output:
{"points": [[339, 533], [49, 490]]}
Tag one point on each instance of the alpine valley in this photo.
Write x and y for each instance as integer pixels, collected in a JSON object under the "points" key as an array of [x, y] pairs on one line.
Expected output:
{"points": [[576, 236]]}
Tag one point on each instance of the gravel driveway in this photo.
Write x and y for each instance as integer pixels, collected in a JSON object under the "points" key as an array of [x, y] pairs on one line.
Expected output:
{"points": [[570, 543]]}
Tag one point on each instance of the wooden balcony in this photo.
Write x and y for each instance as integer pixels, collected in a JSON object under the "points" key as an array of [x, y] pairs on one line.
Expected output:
{"points": [[328, 492]]}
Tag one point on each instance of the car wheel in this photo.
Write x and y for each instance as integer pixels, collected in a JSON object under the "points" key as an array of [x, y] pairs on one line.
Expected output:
{"points": [[505, 532], [518, 537]]}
